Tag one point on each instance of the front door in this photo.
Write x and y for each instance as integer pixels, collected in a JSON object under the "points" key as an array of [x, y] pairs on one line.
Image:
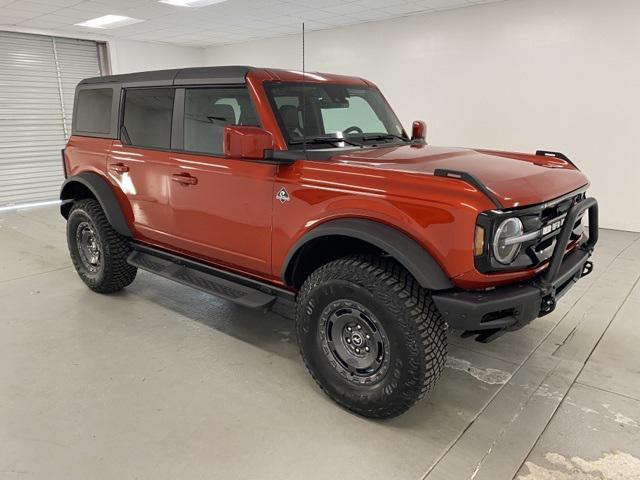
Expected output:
{"points": [[221, 207]]}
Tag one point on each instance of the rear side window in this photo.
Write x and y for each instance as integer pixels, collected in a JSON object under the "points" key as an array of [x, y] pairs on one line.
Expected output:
{"points": [[208, 110], [93, 111], [147, 117]]}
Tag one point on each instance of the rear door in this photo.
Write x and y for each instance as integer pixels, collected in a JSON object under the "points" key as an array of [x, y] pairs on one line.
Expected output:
{"points": [[141, 164], [221, 207]]}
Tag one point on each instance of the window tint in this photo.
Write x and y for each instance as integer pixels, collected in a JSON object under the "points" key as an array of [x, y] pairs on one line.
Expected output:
{"points": [[359, 113], [332, 110], [93, 112], [208, 110], [147, 117]]}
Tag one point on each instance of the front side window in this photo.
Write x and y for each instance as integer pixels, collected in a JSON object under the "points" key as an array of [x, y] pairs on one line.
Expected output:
{"points": [[93, 111], [147, 117], [208, 110], [324, 114]]}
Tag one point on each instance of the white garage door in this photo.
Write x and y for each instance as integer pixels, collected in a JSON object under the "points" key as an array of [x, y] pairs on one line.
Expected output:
{"points": [[38, 76]]}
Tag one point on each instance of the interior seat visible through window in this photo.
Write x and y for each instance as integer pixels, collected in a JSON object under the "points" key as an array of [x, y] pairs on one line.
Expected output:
{"points": [[247, 112], [147, 116], [203, 128], [291, 120], [208, 111]]}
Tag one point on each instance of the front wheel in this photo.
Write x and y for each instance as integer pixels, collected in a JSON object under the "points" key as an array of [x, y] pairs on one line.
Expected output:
{"points": [[370, 336]]}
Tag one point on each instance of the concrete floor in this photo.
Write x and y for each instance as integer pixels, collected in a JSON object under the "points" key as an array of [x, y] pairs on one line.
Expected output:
{"points": [[163, 382]]}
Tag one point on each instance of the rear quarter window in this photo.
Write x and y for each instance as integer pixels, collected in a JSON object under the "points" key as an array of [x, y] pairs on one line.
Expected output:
{"points": [[93, 111]]}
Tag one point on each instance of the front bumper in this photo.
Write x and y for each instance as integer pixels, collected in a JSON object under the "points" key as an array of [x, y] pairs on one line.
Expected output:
{"points": [[492, 312]]}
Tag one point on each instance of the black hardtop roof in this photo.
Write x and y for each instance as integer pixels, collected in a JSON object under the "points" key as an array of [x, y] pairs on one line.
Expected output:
{"points": [[182, 76], [224, 75]]}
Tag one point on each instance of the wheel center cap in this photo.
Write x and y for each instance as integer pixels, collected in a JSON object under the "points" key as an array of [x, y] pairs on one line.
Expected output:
{"points": [[357, 339]]}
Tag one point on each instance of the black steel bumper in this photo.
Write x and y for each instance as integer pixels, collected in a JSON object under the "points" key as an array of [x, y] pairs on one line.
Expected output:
{"points": [[492, 312]]}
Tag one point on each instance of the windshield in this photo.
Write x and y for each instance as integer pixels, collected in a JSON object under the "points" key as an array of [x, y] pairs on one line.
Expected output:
{"points": [[334, 115]]}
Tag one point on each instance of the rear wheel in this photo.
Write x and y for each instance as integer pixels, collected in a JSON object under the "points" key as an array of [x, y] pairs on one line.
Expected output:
{"points": [[98, 252], [370, 335]]}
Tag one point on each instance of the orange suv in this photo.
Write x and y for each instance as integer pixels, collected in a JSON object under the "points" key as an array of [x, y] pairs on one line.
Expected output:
{"points": [[260, 185]]}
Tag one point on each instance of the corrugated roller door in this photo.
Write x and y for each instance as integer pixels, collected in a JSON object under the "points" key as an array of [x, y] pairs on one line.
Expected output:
{"points": [[31, 128], [35, 82], [77, 59]]}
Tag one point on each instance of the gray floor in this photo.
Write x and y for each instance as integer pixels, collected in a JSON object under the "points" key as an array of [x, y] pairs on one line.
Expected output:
{"points": [[163, 382]]}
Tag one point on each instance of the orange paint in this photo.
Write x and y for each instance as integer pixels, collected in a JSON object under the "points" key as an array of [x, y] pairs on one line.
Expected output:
{"points": [[224, 210]]}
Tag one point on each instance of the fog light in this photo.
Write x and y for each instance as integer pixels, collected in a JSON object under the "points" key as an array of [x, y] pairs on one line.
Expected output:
{"points": [[503, 253]]}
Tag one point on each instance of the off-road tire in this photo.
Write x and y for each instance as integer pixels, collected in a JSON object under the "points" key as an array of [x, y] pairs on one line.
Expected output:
{"points": [[113, 273], [412, 324]]}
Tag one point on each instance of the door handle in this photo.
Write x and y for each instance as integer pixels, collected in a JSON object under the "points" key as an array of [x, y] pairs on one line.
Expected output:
{"points": [[184, 179], [118, 168]]}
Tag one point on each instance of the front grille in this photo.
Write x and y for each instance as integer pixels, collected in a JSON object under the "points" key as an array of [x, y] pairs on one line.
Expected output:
{"points": [[549, 217]]}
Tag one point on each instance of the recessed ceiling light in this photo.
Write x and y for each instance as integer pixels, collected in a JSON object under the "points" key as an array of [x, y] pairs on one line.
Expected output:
{"points": [[109, 21], [191, 3]]}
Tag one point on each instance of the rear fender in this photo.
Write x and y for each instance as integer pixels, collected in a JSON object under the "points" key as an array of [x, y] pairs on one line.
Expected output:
{"points": [[76, 187]]}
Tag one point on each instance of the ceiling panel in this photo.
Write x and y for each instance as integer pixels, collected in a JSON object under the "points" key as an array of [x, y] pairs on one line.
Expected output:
{"points": [[218, 24]]}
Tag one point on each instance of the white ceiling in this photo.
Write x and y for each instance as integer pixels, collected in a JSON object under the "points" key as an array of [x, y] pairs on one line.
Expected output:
{"points": [[229, 22]]}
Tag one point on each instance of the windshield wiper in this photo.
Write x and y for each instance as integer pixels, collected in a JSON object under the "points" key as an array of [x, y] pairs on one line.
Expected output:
{"points": [[383, 136], [331, 140]]}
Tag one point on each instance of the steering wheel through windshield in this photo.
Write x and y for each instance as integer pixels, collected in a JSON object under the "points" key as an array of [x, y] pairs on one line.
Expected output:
{"points": [[354, 129]]}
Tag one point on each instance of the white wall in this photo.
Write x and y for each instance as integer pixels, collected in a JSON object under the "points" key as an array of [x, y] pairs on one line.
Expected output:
{"points": [[131, 56], [518, 75]]}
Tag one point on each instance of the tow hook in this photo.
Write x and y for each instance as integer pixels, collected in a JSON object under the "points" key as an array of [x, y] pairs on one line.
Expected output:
{"points": [[587, 268], [548, 305]]}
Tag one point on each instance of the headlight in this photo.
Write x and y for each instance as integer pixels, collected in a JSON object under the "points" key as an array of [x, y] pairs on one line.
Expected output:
{"points": [[503, 251]]}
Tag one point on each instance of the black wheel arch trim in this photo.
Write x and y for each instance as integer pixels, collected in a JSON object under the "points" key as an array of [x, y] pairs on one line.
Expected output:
{"points": [[404, 249], [101, 190]]}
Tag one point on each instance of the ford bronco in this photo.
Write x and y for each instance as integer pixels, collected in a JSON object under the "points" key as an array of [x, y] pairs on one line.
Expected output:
{"points": [[265, 186]]}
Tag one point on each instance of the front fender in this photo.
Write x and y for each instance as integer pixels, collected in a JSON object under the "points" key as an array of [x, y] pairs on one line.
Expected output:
{"points": [[405, 250]]}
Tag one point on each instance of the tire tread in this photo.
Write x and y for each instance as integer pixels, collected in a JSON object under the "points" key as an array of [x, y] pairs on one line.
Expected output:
{"points": [[410, 304], [118, 273]]}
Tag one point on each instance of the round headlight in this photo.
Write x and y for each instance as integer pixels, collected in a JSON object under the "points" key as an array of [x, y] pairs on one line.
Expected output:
{"points": [[511, 227]]}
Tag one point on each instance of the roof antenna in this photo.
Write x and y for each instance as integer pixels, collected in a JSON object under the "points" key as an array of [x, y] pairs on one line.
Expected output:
{"points": [[304, 101]]}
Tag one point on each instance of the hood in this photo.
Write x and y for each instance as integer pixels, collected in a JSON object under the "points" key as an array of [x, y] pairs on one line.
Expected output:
{"points": [[516, 179]]}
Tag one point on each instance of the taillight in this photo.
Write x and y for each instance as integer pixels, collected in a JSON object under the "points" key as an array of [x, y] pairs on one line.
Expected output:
{"points": [[64, 163]]}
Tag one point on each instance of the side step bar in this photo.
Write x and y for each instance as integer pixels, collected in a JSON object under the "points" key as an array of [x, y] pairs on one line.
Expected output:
{"points": [[229, 286]]}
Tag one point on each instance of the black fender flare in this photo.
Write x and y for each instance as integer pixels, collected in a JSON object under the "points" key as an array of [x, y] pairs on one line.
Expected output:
{"points": [[415, 258], [101, 190]]}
